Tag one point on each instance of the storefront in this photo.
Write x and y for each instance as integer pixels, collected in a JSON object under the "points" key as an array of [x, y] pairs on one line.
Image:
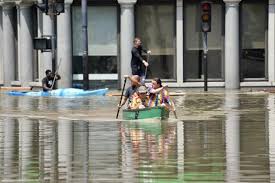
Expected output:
{"points": [[171, 30], [241, 44]]}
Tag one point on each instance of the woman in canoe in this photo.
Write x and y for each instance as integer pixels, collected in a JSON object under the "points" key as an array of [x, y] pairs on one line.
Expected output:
{"points": [[159, 96]]}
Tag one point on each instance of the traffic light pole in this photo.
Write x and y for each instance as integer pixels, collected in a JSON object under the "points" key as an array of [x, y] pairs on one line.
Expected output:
{"points": [[205, 50], [53, 42], [85, 45]]}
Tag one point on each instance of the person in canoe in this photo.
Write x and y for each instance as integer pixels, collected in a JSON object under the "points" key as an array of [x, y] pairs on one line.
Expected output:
{"points": [[140, 99], [49, 81], [159, 95], [135, 79], [137, 61]]}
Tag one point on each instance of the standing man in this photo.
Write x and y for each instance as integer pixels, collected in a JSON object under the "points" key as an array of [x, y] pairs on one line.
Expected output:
{"points": [[137, 61], [49, 81]]}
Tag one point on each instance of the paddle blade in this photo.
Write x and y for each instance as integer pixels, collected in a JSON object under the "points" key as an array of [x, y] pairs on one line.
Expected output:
{"points": [[117, 112]]}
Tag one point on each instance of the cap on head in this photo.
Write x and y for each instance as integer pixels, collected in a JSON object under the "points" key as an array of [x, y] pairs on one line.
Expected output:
{"points": [[142, 89]]}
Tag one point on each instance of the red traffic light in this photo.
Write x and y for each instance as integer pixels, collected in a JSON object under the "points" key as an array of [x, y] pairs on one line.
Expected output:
{"points": [[205, 6]]}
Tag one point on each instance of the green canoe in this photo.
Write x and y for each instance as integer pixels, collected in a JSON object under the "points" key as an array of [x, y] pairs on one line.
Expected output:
{"points": [[151, 112]]}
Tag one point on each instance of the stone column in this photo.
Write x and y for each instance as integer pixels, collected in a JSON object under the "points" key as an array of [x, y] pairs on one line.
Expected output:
{"points": [[64, 47], [41, 71], [1, 48], [26, 44], [271, 41], [48, 27], [232, 76], [127, 34], [179, 29], [9, 46]]}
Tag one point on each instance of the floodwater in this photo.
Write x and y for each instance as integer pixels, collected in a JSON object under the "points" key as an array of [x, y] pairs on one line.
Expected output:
{"points": [[218, 137]]}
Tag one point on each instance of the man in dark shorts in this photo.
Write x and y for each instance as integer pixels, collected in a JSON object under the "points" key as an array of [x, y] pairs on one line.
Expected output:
{"points": [[49, 80], [137, 61], [135, 80]]}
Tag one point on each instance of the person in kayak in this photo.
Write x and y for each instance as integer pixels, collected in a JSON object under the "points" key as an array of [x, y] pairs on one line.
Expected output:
{"points": [[49, 81], [140, 99], [135, 79]]}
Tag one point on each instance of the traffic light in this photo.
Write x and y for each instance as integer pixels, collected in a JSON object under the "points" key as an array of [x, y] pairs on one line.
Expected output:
{"points": [[50, 7], [59, 7], [44, 6], [205, 16]]}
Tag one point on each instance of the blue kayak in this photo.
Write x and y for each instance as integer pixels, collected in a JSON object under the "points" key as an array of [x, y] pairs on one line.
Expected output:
{"points": [[65, 92]]}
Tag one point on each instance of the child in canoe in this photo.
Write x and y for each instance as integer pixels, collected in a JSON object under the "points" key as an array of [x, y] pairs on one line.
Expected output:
{"points": [[140, 99]]}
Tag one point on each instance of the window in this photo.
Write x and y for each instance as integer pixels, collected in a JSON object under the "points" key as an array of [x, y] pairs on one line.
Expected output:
{"points": [[253, 39], [155, 25], [193, 51], [102, 41]]}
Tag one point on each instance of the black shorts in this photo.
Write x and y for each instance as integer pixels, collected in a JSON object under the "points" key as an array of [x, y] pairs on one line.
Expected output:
{"points": [[136, 71]]}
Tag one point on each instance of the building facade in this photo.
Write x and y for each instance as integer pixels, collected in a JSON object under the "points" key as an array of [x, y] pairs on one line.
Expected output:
{"points": [[241, 44]]}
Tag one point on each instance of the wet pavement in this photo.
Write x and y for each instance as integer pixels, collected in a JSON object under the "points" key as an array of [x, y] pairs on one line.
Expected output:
{"points": [[218, 137]]}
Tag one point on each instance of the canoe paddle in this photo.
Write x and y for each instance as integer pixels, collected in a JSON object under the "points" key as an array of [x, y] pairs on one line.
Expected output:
{"points": [[121, 97], [143, 79], [175, 114], [174, 109], [54, 79]]}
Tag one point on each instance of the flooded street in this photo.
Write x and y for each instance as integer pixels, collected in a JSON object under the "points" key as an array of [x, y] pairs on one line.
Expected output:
{"points": [[218, 137]]}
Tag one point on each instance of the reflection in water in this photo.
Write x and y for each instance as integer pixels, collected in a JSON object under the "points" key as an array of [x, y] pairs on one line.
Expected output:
{"points": [[81, 151], [180, 148], [105, 152], [232, 136], [233, 146], [47, 150], [153, 150], [10, 149], [65, 152], [27, 166], [1, 149], [271, 132]]}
